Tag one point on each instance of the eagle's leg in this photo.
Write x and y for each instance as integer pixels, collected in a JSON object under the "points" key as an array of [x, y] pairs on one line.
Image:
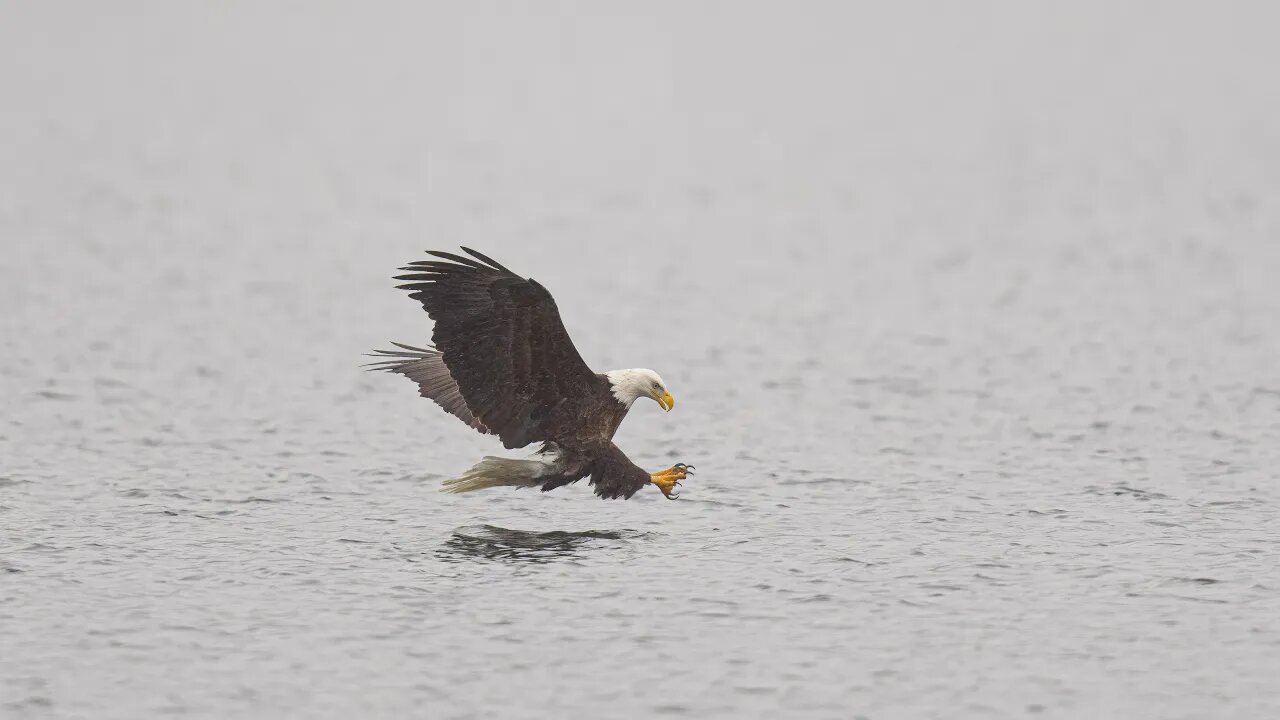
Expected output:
{"points": [[668, 479]]}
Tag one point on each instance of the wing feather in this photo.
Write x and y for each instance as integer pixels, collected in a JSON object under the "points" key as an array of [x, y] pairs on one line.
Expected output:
{"points": [[457, 259], [485, 258], [426, 367]]}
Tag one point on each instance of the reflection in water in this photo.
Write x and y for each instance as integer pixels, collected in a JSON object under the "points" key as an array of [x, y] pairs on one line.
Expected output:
{"points": [[489, 542]]}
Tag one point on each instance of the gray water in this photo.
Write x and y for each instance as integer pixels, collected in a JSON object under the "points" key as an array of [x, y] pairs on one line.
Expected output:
{"points": [[969, 310]]}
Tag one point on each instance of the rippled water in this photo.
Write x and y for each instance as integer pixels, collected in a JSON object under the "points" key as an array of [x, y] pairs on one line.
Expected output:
{"points": [[970, 315]]}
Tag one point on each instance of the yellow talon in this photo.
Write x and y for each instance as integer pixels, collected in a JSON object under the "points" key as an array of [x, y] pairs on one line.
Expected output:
{"points": [[668, 479]]}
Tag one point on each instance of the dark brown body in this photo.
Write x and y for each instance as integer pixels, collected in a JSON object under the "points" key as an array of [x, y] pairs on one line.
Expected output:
{"points": [[592, 452]]}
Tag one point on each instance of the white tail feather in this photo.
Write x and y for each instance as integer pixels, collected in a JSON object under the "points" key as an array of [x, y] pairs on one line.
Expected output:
{"points": [[498, 472]]}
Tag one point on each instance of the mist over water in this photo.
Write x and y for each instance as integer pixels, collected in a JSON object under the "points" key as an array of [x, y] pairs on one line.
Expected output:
{"points": [[970, 314]]}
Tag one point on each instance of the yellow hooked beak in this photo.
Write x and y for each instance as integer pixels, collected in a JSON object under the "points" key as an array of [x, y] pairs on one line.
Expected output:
{"points": [[665, 400]]}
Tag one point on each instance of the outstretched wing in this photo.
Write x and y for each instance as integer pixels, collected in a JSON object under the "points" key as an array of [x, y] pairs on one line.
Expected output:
{"points": [[502, 340]]}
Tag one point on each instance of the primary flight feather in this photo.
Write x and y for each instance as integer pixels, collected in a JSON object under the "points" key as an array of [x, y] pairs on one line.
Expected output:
{"points": [[503, 363]]}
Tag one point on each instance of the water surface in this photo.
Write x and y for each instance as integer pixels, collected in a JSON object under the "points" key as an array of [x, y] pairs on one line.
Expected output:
{"points": [[970, 315]]}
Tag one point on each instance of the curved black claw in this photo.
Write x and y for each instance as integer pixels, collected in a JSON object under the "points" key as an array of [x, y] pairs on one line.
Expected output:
{"points": [[673, 495]]}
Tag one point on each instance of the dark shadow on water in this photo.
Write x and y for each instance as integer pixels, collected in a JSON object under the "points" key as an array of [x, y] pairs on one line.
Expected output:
{"points": [[489, 542]]}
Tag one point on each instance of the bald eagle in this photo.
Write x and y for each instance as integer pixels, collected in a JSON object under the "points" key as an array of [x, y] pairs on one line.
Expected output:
{"points": [[503, 363]]}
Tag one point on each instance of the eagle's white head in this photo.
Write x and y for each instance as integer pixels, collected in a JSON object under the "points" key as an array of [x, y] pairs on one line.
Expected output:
{"points": [[628, 385]]}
